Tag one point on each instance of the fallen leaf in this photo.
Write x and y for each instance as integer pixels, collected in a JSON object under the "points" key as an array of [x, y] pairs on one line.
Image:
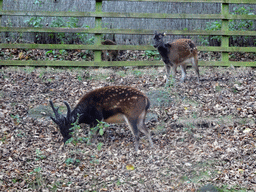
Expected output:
{"points": [[130, 167]]}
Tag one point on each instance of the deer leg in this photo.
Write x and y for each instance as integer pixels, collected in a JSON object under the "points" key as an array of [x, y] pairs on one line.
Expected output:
{"points": [[183, 71], [142, 127], [174, 71], [134, 129], [167, 67], [195, 66]]}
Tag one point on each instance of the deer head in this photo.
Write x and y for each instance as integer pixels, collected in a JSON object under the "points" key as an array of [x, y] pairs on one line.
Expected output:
{"points": [[158, 39]]}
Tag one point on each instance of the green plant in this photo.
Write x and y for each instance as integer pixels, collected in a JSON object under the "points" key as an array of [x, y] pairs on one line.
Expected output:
{"points": [[170, 81], [72, 161], [234, 90], [153, 53], [21, 134], [37, 182], [39, 155], [226, 188], [204, 40], [75, 139], [3, 139], [218, 88], [99, 128], [29, 69], [118, 182], [16, 118], [49, 52], [79, 78], [67, 38], [233, 25], [63, 52], [41, 74], [37, 23], [137, 73], [38, 2], [94, 160], [59, 22], [14, 180]]}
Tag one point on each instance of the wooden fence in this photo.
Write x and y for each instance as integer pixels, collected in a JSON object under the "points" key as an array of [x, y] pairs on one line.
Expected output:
{"points": [[97, 48]]}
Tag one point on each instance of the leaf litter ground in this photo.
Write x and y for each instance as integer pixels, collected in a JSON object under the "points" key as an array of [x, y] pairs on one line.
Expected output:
{"points": [[203, 133]]}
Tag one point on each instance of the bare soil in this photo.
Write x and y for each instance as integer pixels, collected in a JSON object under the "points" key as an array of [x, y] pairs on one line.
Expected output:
{"points": [[204, 133]]}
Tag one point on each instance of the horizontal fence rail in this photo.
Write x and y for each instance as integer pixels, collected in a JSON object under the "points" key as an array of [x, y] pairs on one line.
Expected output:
{"points": [[125, 15], [125, 31], [119, 47], [225, 16]]}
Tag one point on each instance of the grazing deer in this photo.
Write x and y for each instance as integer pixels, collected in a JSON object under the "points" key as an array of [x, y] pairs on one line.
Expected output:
{"points": [[180, 52], [111, 53], [112, 104]]}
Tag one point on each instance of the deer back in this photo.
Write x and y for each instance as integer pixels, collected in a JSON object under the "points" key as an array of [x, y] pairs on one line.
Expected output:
{"points": [[181, 50], [115, 100]]}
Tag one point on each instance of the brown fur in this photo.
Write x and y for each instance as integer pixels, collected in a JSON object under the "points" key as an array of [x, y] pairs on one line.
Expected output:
{"points": [[180, 52], [111, 53], [112, 104]]}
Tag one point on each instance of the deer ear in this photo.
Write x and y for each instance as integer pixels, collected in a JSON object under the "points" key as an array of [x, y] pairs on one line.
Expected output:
{"points": [[167, 45]]}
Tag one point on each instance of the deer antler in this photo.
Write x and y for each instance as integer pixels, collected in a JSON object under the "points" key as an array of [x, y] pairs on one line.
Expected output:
{"points": [[68, 112], [56, 113]]}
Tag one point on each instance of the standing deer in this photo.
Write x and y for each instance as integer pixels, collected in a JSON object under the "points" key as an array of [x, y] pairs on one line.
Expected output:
{"points": [[112, 104], [180, 52]]}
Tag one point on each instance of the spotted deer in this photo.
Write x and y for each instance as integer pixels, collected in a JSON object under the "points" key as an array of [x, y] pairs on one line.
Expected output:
{"points": [[180, 52], [112, 104]]}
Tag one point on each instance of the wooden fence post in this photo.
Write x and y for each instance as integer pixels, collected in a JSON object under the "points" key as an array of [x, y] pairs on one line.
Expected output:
{"points": [[98, 25], [225, 28], [1, 9]]}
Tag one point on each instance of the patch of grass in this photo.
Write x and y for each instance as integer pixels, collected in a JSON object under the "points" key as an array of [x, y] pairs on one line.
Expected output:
{"points": [[226, 119], [189, 126], [37, 182], [29, 69], [234, 90], [79, 78], [153, 54], [218, 88], [226, 188], [49, 80], [41, 74], [229, 120], [160, 128], [39, 155], [72, 161], [2, 94], [137, 73], [193, 103], [20, 133], [121, 73], [16, 118], [3, 139], [159, 98]]}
